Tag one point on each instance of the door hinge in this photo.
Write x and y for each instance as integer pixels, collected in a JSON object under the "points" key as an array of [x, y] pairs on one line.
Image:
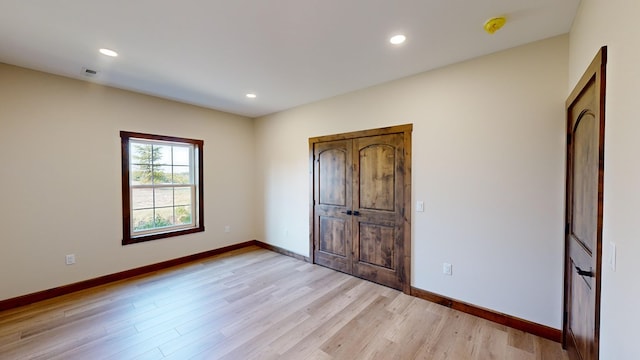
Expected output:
{"points": [[568, 138], [566, 229]]}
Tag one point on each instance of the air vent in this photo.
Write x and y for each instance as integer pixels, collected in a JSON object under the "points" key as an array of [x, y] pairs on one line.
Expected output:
{"points": [[89, 72]]}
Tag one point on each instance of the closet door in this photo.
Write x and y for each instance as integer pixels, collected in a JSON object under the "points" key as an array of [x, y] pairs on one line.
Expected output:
{"points": [[359, 200], [333, 178], [377, 241]]}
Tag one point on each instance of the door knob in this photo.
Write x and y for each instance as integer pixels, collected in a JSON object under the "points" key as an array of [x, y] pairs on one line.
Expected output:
{"points": [[584, 272], [348, 212], [356, 213]]}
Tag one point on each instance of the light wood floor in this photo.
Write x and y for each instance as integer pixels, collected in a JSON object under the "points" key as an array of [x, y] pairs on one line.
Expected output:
{"points": [[255, 304]]}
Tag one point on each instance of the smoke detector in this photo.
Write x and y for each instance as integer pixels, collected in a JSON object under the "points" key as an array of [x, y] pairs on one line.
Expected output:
{"points": [[494, 24]]}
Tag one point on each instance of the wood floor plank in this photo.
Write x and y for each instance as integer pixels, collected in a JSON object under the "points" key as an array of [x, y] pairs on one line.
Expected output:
{"points": [[100, 348], [258, 347], [252, 303], [353, 337], [319, 328], [186, 347], [412, 327], [547, 350], [521, 340], [153, 354], [45, 347], [133, 344], [491, 343]]}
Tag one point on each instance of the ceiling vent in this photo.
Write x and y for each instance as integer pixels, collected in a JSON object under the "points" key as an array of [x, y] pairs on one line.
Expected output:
{"points": [[89, 72]]}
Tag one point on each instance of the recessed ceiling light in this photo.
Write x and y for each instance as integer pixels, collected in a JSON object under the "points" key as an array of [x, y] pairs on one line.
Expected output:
{"points": [[251, 95], [108, 52], [397, 39]]}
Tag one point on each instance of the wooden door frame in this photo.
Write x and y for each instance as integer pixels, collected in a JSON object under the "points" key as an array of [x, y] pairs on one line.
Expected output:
{"points": [[596, 72], [405, 266]]}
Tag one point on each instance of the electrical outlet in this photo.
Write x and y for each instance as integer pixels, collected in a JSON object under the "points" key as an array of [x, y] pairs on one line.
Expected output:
{"points": [[227, 228], [70, 259], [446, 269]]}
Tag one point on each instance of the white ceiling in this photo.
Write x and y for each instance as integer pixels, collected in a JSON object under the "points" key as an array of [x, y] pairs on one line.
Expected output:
{"points": [[289, 52]]}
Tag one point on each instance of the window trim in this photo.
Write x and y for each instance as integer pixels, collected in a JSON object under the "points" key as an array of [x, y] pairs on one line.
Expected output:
{"points": [[127, 238]]}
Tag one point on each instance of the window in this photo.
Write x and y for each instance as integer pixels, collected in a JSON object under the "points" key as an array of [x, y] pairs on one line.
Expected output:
{"points": [[161, 187]]}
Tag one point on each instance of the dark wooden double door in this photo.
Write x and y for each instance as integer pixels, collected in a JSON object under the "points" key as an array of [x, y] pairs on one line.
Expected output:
{"points": [[360, 225]]}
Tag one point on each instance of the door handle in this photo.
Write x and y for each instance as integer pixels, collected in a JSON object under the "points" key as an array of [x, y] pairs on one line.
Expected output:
{"points": [[356, 213], [348, 212], [584, 272]]}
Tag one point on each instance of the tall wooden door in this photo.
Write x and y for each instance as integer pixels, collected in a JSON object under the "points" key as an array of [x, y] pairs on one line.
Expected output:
{"points": [[360, 200], [583, 243], [333, 214]]}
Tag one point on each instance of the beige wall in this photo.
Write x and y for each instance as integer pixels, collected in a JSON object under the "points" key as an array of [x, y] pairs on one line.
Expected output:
{"points": [[614, 23], [60, 176], [488, 161]]}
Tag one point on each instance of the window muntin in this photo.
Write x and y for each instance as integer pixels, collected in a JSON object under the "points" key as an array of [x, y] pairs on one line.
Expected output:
{"points": [[162, 186]]}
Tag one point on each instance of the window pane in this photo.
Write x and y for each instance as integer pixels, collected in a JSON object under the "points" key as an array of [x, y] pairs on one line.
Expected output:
{"points": [[182, 196], [164, 197], [142, 220], [181, 175], [183, 215], [141, 198], [161, 155], [162, 174], [140, 153], [181, 155], [164, 217], [140, 174]]}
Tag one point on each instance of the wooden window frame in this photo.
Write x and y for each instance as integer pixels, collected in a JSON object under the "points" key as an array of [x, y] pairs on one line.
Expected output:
{"points": [[198, 216]]}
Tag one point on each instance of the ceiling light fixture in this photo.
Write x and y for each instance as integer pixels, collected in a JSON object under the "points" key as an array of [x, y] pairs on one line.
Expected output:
{"points": [[397, 39], [108, 52], [251, 95]]}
